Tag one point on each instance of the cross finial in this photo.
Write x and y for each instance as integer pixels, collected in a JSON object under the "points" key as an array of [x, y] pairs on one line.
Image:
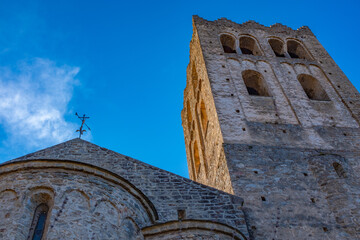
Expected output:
{"points": [[83, 119]]}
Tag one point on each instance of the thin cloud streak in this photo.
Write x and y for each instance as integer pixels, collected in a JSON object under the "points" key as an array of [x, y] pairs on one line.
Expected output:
{"points": [[34, 99]]}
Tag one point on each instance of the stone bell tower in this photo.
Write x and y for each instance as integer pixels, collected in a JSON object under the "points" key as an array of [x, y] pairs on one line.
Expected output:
{"points": [[270, 117]]}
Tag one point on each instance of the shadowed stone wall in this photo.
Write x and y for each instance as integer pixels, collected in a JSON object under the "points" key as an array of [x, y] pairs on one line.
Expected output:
{"points": [[95, 193], [292, 194], [84, 206]]}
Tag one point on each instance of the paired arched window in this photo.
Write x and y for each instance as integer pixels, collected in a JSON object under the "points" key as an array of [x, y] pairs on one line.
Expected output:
{"points": [[313, 88], [39, 220], [296, 50], [249, 46], [255, 83], [277, 46], [228, 43]]}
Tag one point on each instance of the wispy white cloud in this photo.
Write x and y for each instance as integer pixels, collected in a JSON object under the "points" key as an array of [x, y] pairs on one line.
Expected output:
{"points": [[34, 99]]}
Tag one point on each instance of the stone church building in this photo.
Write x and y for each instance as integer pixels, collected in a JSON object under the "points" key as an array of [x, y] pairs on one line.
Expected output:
{"points": [[272, 136]]}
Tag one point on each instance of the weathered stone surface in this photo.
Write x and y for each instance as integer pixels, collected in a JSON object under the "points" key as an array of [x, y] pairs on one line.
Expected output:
{"points": [[281, 128], [95, 193]]}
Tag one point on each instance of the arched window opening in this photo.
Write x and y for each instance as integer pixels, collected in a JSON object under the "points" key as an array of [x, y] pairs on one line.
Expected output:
{"points": [[312, 88], [228, 43], [339, 170], [189, 117], [277, 46], [296, 50], [255, 83], [249, 46], [203, 115], [196, 158], [39, 222]]}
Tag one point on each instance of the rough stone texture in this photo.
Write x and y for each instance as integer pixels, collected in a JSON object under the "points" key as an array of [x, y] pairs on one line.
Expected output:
{"points": [[95, 193], [85, 206], [191, 230], [191, 235], [278, 152], [213, 169], [292, 194]]}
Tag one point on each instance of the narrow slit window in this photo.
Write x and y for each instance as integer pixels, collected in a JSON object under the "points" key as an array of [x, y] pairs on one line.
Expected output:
{"points": [[228, 43], [203, 115], [339, 170], [296, 50], [196, 158], [194, 77], [192, 160], [255, 83], [277, 46], [39, 222], [189, 117], [249, 46], [313, 88]]}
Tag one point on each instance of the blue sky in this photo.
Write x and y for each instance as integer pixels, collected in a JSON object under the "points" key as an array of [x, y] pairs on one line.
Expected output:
{"points": [[123, 63]]}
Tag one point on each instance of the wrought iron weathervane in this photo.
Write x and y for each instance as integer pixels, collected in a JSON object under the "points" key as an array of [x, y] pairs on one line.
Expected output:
{"points": [[83, 119]]}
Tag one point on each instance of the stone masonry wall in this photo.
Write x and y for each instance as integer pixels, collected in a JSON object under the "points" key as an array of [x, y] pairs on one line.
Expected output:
{"points": [[296, 193], [292, 157], [84, 206], [288, 103], [95, 174], [191, 230], [203, 132], [190, 235]]}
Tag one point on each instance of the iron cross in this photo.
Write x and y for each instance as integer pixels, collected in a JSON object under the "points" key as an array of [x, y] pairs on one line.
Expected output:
{"points": [[83, 119]]}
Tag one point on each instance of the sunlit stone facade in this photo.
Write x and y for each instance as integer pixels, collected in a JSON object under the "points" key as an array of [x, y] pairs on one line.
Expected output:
{"points": [[268, 116]]}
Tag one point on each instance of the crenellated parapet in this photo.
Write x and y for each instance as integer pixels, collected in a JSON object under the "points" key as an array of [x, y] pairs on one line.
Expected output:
{"points": [[275, 28]]}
